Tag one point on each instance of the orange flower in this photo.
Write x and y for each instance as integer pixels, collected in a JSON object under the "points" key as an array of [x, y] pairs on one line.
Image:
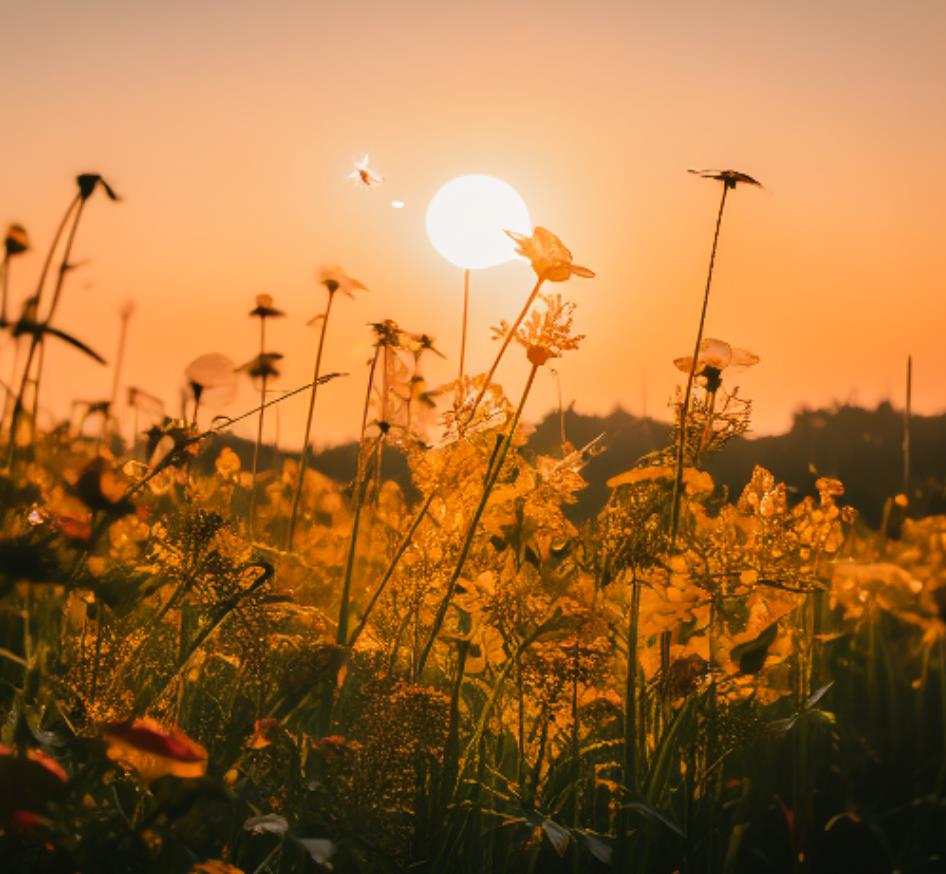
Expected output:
{"points": [[16, 240], [336, 279], [154, 751], [550, 259]]}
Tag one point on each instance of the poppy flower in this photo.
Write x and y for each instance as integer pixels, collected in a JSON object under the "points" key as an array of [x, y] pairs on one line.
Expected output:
{"points": [[550, 259], [715, 357], [154, 751], [336, 279], [16, 241], [729, 178]]}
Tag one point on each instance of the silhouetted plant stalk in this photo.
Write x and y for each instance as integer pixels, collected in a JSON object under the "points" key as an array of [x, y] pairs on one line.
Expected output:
{"points": [[15, 243], [126, 313], [334, 279], [729, 178], [492, 477], [87, 183]]}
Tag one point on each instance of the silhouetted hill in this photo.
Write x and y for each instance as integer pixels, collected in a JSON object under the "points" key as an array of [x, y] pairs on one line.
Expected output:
{"points": [[862, 448]]}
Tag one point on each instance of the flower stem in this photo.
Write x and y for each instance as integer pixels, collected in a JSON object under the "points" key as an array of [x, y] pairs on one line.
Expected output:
{"points": [[466, 313], [492, 477], [304, 453], [259, 426], [502, 349]]}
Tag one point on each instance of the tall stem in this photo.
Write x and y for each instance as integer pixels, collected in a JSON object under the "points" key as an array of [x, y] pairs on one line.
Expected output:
{"points": [[116, 377], [685, 406], [502, 349], [259, 426], [492, 476], [466, 314], [304, 453], [906, 427]]}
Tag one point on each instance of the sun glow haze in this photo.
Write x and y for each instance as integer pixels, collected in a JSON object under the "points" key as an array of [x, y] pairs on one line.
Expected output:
{"points": [[467, 217]]}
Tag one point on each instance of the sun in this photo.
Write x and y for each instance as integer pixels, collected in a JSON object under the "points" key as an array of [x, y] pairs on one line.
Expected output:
{"points": [[466, 219]]}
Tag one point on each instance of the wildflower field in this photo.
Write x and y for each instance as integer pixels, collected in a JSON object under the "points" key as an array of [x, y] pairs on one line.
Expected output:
{"points": [[221, 661]]}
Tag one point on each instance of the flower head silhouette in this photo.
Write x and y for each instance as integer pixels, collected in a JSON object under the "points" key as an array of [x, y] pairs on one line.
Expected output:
{"points": [[550, 258]]}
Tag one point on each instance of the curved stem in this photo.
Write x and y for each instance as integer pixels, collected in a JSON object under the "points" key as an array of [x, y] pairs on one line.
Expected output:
{"points": [[505, 345], [685, 406], [304, 453], [466, 313], [493, 476]]}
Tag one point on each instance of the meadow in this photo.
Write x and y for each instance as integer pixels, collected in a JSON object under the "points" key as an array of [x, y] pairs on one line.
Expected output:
{"points": [[222, 665]]}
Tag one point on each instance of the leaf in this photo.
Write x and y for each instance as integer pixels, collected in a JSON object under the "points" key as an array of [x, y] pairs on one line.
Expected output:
{"points": [[817, 695], [751, 656], [598, 848], [269, 823], [652, 812]]}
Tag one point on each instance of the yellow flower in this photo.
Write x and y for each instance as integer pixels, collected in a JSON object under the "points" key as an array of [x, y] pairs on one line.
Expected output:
{"points": [[716, 355], [336, 279], [550, 259]]}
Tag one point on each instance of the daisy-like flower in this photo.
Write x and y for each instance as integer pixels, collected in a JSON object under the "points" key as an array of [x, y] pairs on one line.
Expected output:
{"points": [[551, 260], [16, 241], [264, 308], [363, 176], [263, 364], [549, 334], [211, 379], [336, 279], [729, 178], [715, 357]]}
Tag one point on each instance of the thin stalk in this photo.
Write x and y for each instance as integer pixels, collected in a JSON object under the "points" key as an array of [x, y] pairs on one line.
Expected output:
{"points": [[119, 361], [259, 426], [304, 454], [474, 523], [389, 571], [466, 314], [502, 349], [18, 403], [685, 406], [4, 285], [906, 427], [361, 489]]}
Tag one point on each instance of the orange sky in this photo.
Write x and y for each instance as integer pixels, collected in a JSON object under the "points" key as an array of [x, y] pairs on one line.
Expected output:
{"points": [[229, 128]]}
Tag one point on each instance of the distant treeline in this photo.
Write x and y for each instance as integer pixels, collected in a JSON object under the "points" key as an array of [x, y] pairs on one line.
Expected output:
{"points": [[862, 448]]}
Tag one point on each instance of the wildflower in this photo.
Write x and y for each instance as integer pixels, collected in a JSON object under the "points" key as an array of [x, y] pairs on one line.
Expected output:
{"points": [[88, 182], [363, 176], [154, 751], [263, 365], [16, 241], [336, 279], [715, 357], [547, 335], [264, 308], [550, 259], [729, 178]]}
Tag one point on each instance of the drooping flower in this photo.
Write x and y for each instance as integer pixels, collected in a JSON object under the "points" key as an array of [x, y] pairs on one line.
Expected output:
{"points": [[154, 751], [16, 241], [550, 259], [730, 178], [336, 279], [88, 182], [363, 176], [715, 357]]}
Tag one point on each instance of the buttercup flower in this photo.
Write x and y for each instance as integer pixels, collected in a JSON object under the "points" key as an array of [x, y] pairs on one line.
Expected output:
{"points": [[336, 279], [551, 260], [264, 308]]}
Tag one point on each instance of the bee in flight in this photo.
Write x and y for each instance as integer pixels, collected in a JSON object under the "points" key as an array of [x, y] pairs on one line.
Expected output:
{"points": [[363, 176]]}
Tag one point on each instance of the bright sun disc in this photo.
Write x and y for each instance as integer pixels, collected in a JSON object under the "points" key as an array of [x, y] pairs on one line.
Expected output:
{"points": [[466, 219]]}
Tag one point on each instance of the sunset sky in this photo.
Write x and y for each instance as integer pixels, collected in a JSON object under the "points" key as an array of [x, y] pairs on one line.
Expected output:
{"points": [[229, 128]]}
